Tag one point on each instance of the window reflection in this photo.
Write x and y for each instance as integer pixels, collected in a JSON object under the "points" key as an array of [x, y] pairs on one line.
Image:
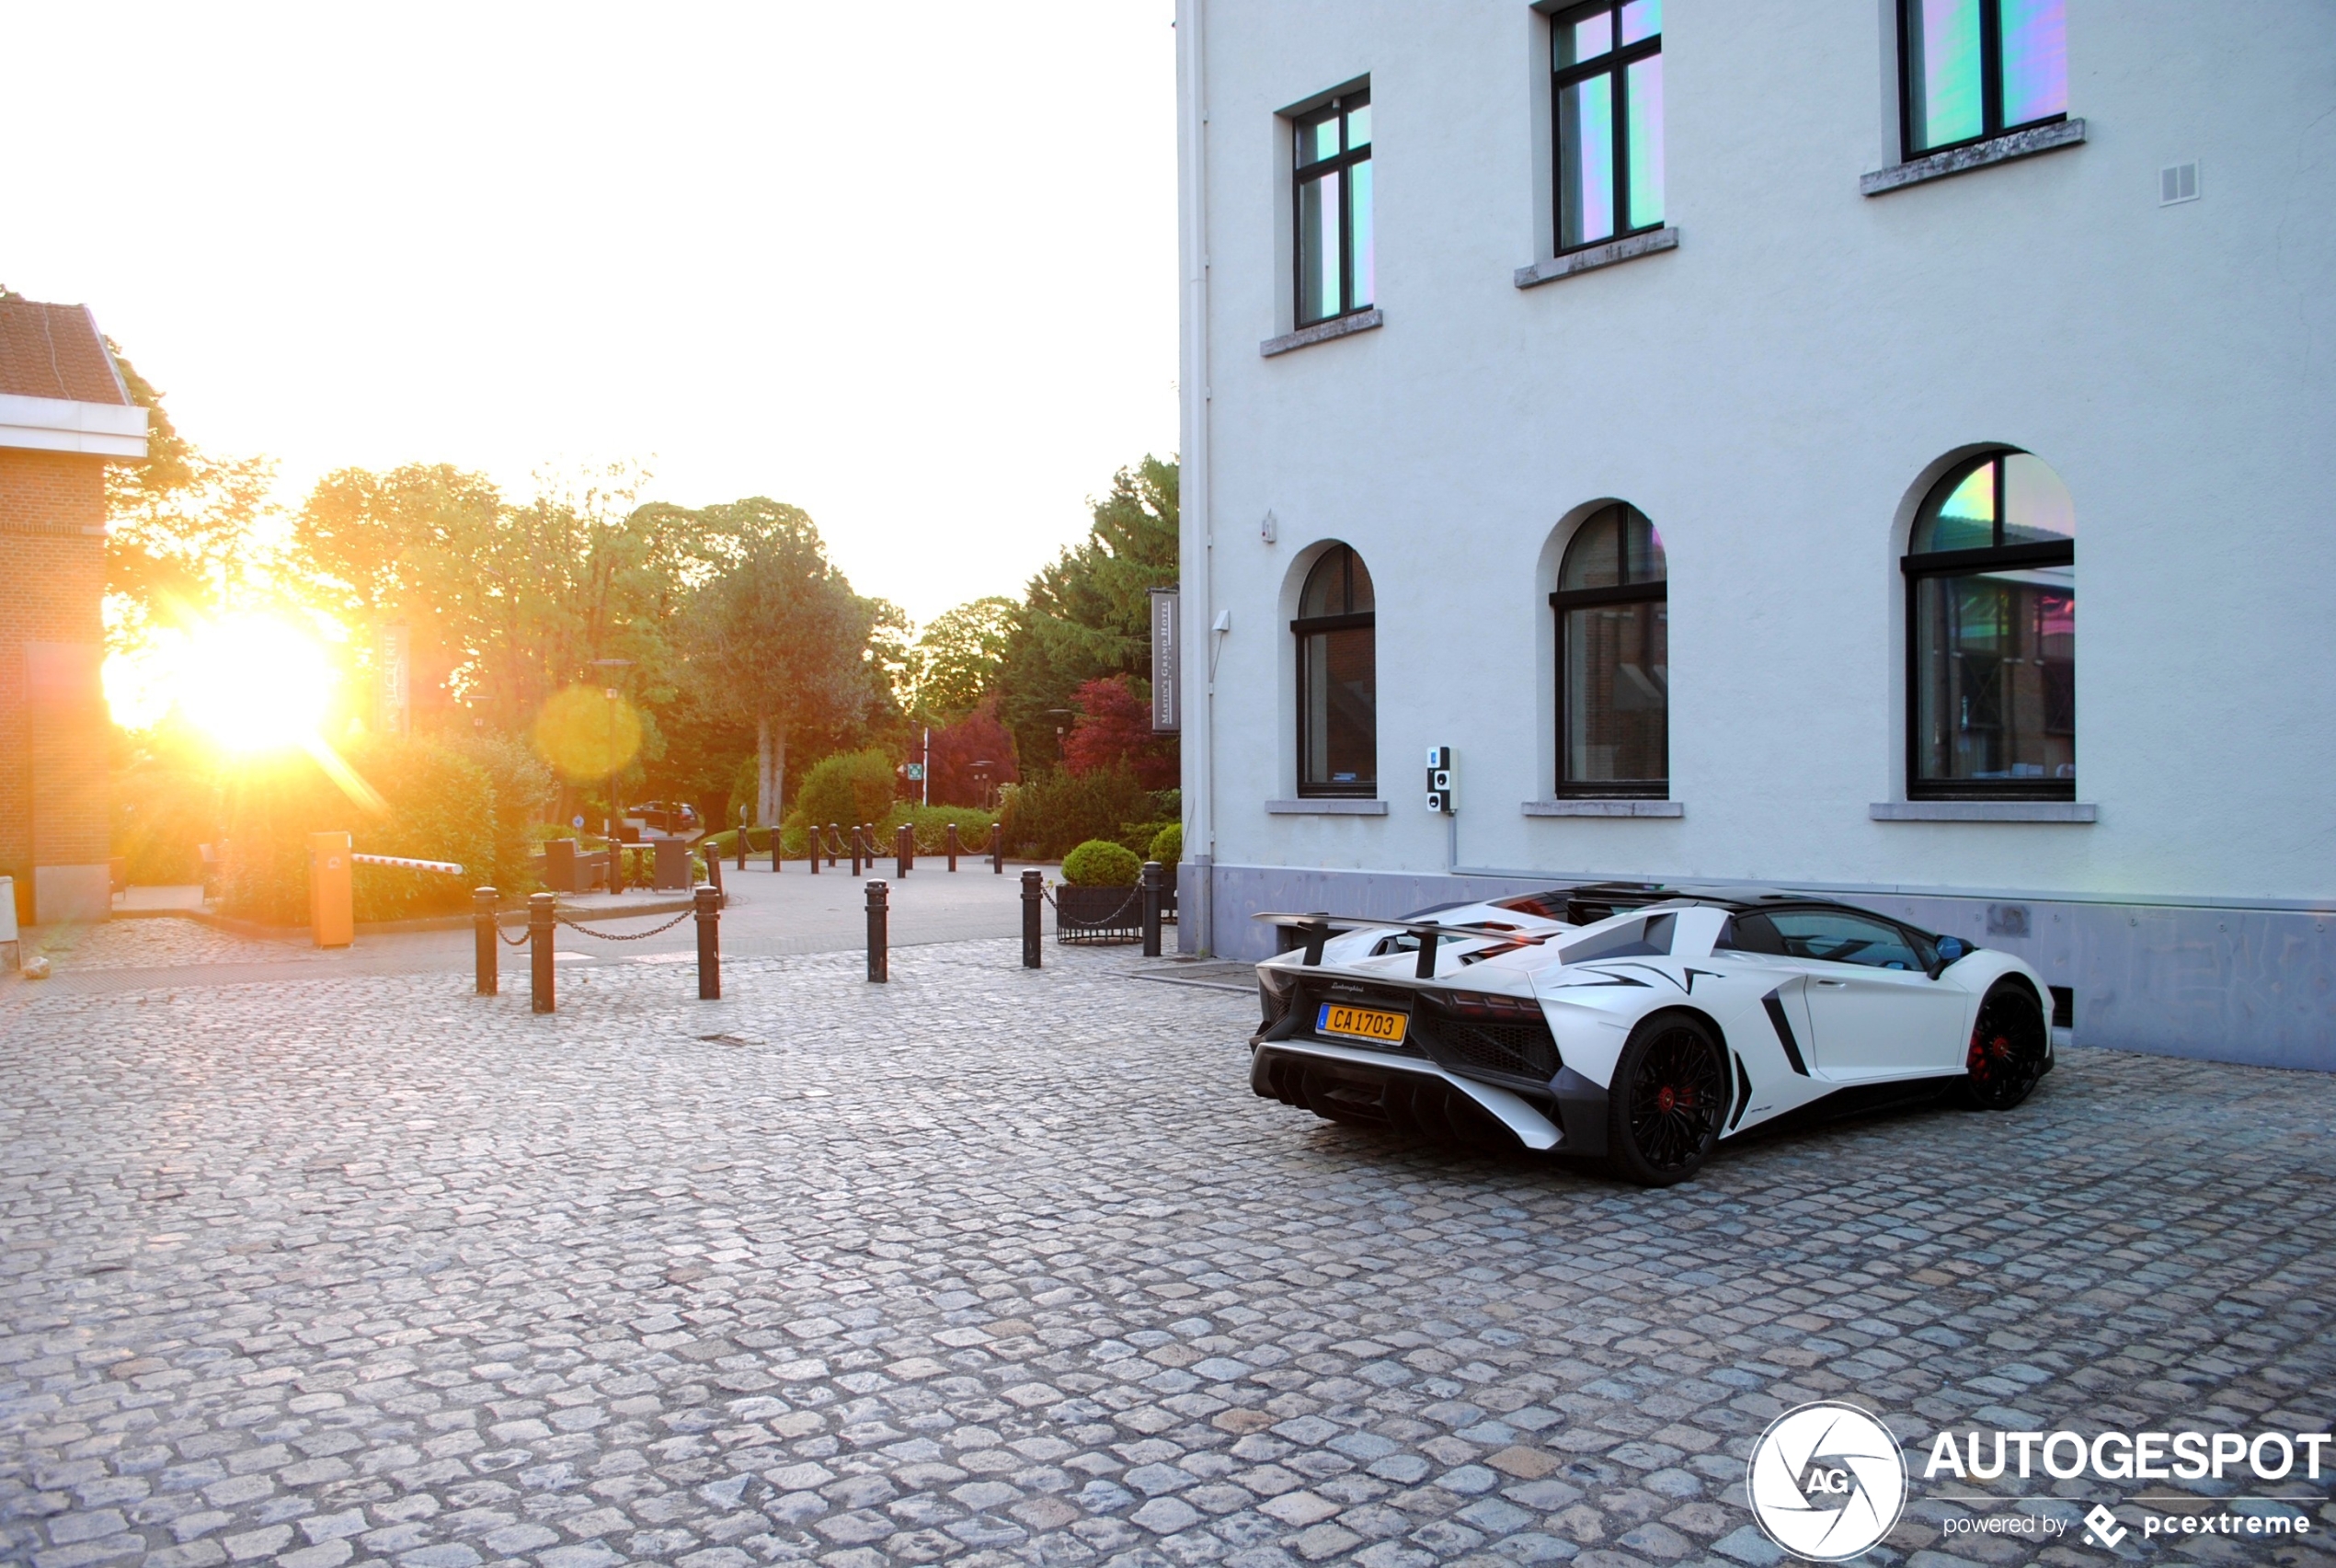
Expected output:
{"points": [[1337, 679], [1614, 664], [1992, 612]]}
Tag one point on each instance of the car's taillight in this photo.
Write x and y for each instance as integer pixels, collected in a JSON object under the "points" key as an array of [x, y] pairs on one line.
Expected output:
{"points": [[1492, 1009]]}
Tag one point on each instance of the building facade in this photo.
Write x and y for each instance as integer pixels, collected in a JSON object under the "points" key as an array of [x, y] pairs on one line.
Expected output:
{"points": [[64, 415], [1699, 418]]}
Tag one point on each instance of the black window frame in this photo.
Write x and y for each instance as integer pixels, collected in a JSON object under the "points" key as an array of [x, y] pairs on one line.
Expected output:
{"points": [[1340, 166], [1614, 61], [1562, 600], [1998, 556], [1991, 125], [1305, 626]]}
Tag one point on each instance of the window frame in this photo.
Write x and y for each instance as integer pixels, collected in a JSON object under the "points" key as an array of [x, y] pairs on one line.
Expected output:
{"points": [[1561, 602], [1991, 126], [1340, 166], [1615, 62], [1303, 627], [1916, 569]]}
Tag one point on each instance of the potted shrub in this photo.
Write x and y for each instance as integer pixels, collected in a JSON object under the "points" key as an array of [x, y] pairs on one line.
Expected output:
{"points": [[1168, 848], [1097, 902]]}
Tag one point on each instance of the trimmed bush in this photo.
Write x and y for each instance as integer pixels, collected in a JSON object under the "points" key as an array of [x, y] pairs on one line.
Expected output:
{"points": [[851, 786], [1099, 863], [1168, 845], [524, 790]]}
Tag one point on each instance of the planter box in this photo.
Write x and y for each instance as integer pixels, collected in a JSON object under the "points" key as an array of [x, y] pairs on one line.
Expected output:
{"points": [[1098, 914]]}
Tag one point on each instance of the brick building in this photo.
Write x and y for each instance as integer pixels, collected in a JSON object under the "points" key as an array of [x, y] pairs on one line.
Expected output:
{"points": [[64, 415]]}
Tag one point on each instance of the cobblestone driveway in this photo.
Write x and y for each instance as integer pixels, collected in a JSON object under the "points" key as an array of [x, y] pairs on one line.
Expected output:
{"points": [[988, 1266]]}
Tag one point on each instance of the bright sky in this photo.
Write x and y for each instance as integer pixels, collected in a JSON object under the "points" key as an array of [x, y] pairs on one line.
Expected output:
{"points": [[912, 266]]}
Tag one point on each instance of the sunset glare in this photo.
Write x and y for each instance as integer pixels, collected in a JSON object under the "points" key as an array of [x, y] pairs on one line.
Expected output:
{"points": [[252, 684]]}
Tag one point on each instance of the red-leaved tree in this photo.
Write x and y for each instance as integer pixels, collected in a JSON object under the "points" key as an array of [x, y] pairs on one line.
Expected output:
{"points": [[972, 757], [1114, 730]]}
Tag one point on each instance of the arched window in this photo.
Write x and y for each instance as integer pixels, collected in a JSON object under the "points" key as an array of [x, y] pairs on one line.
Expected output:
{"points": [[1991, 633], [1613, 660], [1337, 679]]}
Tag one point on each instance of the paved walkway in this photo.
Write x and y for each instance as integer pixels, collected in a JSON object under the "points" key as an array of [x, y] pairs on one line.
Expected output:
{"points": [[995, 1266]]}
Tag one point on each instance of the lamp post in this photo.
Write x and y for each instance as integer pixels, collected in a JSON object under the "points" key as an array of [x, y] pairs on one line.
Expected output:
{"points": [[613, 695]]}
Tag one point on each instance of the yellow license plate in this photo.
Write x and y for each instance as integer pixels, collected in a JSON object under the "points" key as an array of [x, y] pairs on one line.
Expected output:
{"points": [[1362, 1023]]}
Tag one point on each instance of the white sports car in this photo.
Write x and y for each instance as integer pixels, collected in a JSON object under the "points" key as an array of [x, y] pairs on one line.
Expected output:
{"points": [[1636, 1023]]}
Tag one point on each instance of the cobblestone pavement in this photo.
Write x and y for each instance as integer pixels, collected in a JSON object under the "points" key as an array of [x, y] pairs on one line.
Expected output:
{"points": [[990, 1267]]}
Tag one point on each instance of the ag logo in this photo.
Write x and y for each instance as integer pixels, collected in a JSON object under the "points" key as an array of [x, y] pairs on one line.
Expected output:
{"points": [[1827, 1481]]}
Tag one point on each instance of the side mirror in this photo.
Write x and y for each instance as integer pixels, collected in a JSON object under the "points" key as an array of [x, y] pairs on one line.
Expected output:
{"points": [[1952, 949]]}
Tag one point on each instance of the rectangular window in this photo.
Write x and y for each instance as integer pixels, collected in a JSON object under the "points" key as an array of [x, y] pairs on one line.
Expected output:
{"points": [[1972, 69], [1609, 97], [1336, 271]]}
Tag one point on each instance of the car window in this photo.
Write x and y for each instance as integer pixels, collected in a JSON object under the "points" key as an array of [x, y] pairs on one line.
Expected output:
{"points": [[1839, 937]]}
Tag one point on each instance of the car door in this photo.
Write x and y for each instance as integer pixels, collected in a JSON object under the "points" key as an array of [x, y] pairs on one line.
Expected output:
{"points": [[1873, 1010]]}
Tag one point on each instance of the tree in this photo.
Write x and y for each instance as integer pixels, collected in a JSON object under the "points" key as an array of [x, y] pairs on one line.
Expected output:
{"points": [[777, 629], [1088, 615], [1114, 730], [958, 655]]}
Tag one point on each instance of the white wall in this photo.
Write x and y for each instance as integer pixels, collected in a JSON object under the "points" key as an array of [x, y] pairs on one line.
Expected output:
{"points": [[1770, 394]]}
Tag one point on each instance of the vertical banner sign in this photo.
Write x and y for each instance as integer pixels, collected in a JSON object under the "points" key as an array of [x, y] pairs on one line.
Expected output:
{"points": [[1166, 709], [392, 688]]}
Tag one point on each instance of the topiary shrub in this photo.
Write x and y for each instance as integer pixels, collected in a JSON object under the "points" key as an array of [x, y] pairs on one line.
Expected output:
{"points": [[1099, 863], [847, 788], [1168, 845]]}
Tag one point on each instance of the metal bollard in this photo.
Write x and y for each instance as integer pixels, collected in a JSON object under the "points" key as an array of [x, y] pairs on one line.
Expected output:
{"points": [[998, 849], [709, 944], [539, 947], [904, 850], [879, 965], [713, 877], [1034, 894], [1151, 891], [835, 843], [743, 845], [855, 850], [813, 834], [778, 850], [949, 841], [489, 969]]}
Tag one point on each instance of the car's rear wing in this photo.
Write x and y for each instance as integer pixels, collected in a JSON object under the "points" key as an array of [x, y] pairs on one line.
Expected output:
{"points": [[1320, 927]]}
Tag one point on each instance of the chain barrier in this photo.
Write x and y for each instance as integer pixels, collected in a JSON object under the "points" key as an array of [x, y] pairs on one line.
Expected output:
{"points": [[632, 936], [519, 941], [1109, 921]]}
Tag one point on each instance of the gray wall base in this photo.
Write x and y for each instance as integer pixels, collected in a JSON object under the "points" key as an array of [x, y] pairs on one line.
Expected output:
{"points": [[72, 893], [2254, 985]]}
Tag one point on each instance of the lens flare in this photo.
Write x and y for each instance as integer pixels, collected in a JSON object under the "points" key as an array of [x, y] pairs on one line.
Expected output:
{"points": [[588, 732], [254, 685]]}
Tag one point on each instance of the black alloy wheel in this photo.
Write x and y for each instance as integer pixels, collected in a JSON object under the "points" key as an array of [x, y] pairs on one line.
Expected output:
{"points": [[1670, 1093], [2009, 1047]]}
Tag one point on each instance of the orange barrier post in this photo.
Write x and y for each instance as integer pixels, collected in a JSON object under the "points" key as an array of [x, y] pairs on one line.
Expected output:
{"points": [[332, 908]]}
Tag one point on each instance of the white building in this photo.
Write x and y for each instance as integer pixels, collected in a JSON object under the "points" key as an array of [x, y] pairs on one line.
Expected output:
{"points": [[1470, 285]]}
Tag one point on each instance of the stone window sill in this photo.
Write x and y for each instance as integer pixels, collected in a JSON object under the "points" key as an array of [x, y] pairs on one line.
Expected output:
{"points": [[1605, 809], [1983, 811], [1978, 155], [1575, 262], [1322, 332], [1329, 805]]}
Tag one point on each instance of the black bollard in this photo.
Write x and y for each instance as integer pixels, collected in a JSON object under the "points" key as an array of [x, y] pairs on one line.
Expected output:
{"points": [[742, 844], [998, 849], [855, 850], [713, 877], [539, 947], [778, 850], [812, 831], [709, 944], [835, 843], [904, 850], [489, 970], [949, 841], [1151, 909], [879, 965], [1034, 894]]}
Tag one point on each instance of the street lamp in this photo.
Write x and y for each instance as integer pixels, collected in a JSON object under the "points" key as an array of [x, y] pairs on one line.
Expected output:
{"points": [[613, 695]]}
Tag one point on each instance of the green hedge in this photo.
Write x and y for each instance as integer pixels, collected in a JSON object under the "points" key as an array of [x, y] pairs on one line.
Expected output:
{"points": [[851, 786], [931, 823], [1048, 815], [443, 803], [1168, 845]]}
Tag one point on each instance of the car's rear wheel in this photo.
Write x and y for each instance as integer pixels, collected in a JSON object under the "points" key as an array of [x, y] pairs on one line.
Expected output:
{"points": [[2009, 1048], [1665, 1106]]}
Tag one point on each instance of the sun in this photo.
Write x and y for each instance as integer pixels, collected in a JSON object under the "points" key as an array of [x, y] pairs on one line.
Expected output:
{"points": [[254, 685]]}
